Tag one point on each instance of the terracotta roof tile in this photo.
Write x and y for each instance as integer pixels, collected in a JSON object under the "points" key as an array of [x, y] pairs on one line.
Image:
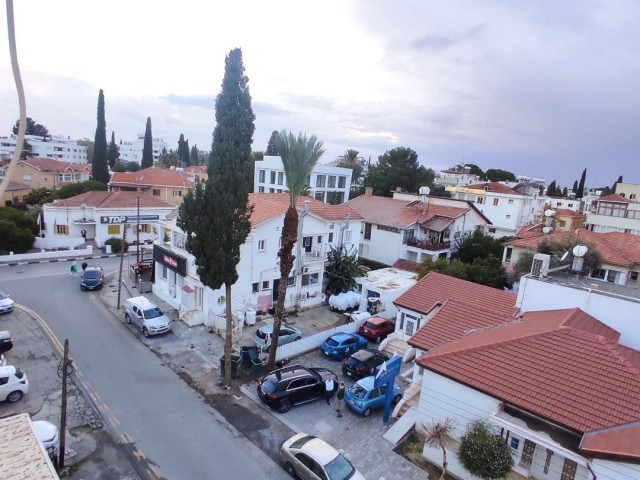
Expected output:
{"points": [[567, 212], [529, 231], [406, 265], [614, 197], [495, 187], [112, 200], [152, 176], [619, 442], [53, 165]]}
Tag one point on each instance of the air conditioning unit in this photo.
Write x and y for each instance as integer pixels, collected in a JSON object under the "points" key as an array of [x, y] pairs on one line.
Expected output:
{"points": [[305, 269], [172, 291], [540, 265]]}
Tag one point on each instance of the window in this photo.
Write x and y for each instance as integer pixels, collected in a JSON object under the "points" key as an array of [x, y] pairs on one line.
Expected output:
{"points": [[492, 230], [527, 453], [177, 193], [311, 279], [347, 236], [113, 229], [272, 177], [26, 176], [568, 470], [507, 257], [342, 182], [332, 181], [291, 281], [156, 192], [331, 238], [480, 201], [547, 461], [319, 239], [508, 217], [62, 230], [164, 272], [633, 276], [280, 178], [406, 235], [495, 202], [319, 196], [599, 273], [255, 288], [265, 285], [65, 178], [272, 190], [262, 245], [321, 180], [261, 175], [179, 240], [367, 231], [511, 201]]}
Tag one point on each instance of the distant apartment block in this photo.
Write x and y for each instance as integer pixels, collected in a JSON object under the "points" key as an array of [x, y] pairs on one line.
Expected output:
{"points": [[131, 150], [618, 212], [326, 184], [58, 148]]}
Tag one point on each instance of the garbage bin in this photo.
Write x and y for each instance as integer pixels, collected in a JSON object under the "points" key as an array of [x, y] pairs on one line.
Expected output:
{"points": [[236, 360], [256, 367], [248, 353]]}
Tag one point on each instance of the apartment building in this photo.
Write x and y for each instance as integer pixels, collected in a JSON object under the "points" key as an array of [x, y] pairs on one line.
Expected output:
{"points": [[57, 147]]}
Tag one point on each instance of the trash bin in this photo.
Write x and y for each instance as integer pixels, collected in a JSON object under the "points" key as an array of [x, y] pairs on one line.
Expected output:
{"points": [[236, 360], [248, 353], [256, 367]]}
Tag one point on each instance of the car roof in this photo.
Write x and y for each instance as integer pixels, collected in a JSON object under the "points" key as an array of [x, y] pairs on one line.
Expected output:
{"points": [[142, 302], [292, 371], [5, 334], [363, 354], [379, 320], [7, 370], [94, 267], [320, 450], [340, 336], [366, 383]]}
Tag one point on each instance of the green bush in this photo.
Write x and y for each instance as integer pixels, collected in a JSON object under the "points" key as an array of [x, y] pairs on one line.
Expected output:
{"points": [[116, 244], [484, 454]]}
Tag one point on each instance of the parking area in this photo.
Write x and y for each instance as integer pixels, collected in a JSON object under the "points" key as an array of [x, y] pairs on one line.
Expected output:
{"points": [[361, 437]]}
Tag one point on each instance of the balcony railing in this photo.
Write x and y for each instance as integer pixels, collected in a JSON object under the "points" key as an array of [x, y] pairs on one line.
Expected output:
{"points": [[428, 245]]}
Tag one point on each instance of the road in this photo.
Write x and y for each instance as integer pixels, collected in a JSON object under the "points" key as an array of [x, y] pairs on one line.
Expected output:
{"points": [[167, 428]]}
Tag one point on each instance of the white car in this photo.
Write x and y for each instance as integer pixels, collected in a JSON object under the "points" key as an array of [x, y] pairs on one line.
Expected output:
{"points": [[146, 316], [47, 434], [13, 384], [6, 304], [309, 457]]}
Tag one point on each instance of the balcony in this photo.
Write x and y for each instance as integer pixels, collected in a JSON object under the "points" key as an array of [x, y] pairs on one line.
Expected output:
{"points": [[428, 245]]}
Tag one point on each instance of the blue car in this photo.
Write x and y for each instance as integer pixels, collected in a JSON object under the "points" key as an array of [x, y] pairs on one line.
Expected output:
{"points": [[363, 398], [340, 345]]}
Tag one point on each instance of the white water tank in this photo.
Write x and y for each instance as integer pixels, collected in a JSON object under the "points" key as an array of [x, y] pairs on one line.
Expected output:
{"points": [[250, 317]]}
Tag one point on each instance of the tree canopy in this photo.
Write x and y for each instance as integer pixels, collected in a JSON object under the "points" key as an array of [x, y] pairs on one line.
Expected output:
{"points": [[272, 149], [398, 168], [351, 159], [483, 453], [17, 230], [169, 159], [183, 151], [497, 175], [342, 269], [147, 147], [113, 154], [73, 189], [99, 167], [32, 128]]}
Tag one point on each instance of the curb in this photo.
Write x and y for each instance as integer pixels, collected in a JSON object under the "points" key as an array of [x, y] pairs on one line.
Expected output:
{"points": [[54, 260]]}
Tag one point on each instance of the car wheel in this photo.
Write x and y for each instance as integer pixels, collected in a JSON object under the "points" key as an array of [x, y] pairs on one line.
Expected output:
{"points": [[145, 332], [127, 318], [396, 399], [367, 412], [285, 406], [378, 338], [290, 470], [14, 396], [296, 339]]}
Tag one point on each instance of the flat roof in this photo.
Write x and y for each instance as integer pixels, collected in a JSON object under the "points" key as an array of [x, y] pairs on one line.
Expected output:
{"points": [[389, 279]]}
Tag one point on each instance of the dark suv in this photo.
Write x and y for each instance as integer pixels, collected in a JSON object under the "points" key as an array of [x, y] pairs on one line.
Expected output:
{"points": [[363, 363], [294, 385]]}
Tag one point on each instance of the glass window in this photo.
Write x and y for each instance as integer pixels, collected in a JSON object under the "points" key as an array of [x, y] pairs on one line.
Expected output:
{"points": [[568, 470], [62, 230], [332, 181], [262, 245], [527, 453], [265, 285], [406, 235], [342, 182], [495, 202], [255, 288], [291, 281], [260, 189], [321, 180], [480, 200], [113, 229], [272, 177], [330, 237], [310, 279], [261, 176], [280, 178], [319, 196], [156, 192]]}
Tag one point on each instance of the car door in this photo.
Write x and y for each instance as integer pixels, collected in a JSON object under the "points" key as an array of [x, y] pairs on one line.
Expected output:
{"points": [[349, 346], [388, 328], [296, 390], [286, 336], [306, 466], [137, 317]]}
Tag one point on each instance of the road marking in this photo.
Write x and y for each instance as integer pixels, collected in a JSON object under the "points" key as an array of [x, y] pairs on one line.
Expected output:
{"points": [[48, 332]]}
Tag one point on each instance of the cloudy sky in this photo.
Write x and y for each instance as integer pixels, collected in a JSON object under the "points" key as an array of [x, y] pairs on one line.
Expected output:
{"points": [[541, 88]]}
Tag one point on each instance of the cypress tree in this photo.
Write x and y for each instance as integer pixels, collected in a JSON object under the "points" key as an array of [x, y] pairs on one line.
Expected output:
{"points": [[615, 184], [113, 153], [575, 187], [183, 151], [99, 169], [271, 146], [147, 149], [552, 189], [215, 215], [194, 155], [583, 178]]}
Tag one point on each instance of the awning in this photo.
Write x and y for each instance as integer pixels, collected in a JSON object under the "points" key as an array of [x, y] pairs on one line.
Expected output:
{"points": [[187, 289], [437, 224]]}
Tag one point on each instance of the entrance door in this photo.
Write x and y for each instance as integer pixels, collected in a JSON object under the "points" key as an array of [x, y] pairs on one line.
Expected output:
{"points": [[274, 295], [410, 325]]}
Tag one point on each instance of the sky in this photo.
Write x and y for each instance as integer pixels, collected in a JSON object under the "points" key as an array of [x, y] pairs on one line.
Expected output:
{"points": [[542, 89]]}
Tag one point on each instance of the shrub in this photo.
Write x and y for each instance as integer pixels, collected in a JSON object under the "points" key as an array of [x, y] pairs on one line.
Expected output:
{"points": [[484, 454], [116, 244]]}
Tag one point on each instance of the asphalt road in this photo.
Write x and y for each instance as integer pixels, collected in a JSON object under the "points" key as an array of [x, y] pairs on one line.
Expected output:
{"points": [[168, 429]]}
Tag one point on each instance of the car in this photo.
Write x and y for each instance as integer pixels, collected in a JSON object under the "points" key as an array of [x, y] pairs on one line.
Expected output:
{"points": [[264, 334], [340, 345], [376, 329], [309, 457], [91, 279], [13, 384], [145, 315], [3, 361], [362, 397], [363, 363], [294, 385], [47, 434], [6, 342], [6, 304]]}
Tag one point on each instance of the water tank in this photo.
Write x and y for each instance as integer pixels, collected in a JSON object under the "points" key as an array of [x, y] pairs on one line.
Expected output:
{"points": [[250, 317]]}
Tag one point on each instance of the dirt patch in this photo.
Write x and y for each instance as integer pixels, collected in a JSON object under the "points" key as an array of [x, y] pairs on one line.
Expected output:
{"points": [[411, 449]]}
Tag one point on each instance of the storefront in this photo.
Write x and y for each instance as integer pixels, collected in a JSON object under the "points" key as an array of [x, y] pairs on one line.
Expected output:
{"points": [[171, 269]]}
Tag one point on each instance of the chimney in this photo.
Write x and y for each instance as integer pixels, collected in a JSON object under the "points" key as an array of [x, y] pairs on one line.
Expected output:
{"points": [[368, 191]]}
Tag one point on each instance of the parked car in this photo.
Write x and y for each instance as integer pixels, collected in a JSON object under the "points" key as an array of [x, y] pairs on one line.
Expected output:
{"points": [[13, 384], [264, 334], [340, 345], [309, 457], [376, 328], [92, 279], [362, 397], [3, 361], [6, 342], [363, 363], [6, 304], [47, 434], [146, 316], [294, 385]]}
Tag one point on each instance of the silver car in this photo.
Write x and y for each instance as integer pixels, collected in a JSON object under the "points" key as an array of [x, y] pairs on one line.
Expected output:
{"points": [[264, 334], [310, 458]]}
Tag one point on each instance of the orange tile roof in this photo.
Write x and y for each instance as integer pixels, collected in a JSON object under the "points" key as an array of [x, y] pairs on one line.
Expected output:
{"points": [[401, 213], [53, 165], [614, 197], [152, 177], [616, 248], [435, 289], [495, 187], [529, 231], [406, 265], [562, 365], [112, 200], [619, 442], [567, 212]]}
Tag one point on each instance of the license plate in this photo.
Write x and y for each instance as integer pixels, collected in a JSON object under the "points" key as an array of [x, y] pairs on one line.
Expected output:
{"points": [[326, 353], [349, 373]]}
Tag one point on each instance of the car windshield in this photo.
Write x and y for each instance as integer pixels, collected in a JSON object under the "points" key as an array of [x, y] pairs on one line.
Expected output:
{"points": [[353, 361], [152, 313], [358, 392], [269, 385], [92, 275], [261, 334], [370, 325], [339, 468], [331, 342]]}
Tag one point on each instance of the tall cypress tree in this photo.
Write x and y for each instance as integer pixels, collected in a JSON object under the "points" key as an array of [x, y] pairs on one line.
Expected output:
{"points": [[183, 151], [113, 154], [194, 155], [215, 215], [583, 178], [271, 146], [147, 149], [99, 169]]}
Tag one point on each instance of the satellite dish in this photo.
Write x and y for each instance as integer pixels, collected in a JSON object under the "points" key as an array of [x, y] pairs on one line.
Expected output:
{"points": [[546, 229], [424, 190], [580, 251], [564, 256], [549, 213]]}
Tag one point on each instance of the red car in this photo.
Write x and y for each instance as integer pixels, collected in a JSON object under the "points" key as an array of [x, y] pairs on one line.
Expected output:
{"points": [[376, 328]]}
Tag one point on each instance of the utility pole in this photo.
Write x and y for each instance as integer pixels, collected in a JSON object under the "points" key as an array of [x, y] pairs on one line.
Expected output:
{"points": [[138, 233], [64, 370], [124, 242]]}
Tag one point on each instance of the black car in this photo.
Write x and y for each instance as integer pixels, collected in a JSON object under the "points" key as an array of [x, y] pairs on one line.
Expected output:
{"points": [[6, 342], [92, 279], [363, 363], [294, 385]]}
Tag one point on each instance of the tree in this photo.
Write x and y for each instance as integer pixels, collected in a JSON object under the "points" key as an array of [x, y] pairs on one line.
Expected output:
{"points": [[32, 128], [299, 155], [168, 160], [439, 190], [342, 269], [565, 192], [615, 184], [436, 434], [398, 168], [124, 166], [88, 144], [474, 169], [147, 148], [73, 189], [351, 159], [183, 151], [478, 245], [271, 146], [17, 230], [38, 196], [552, 189], [99, 168], [497, 175], [583, 178], [215, 216], [484, 454], [455, 268], [574, 189], [193, 156], [488, 271], [113, 154]]}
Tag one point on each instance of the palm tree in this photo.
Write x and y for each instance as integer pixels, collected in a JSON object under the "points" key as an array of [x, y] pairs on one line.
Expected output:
{"points": [[436, 434], [351, 159], [299, 155]]}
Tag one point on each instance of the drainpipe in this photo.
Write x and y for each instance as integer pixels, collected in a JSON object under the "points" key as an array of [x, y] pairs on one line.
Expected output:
{"points": [[343, 228], [303, 214]]}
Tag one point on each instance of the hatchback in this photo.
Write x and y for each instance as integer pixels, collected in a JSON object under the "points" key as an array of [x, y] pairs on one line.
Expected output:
{"points": [[264, 334], [376, 328], [363, 363], [340, 345], [6, 304], [92, 279], [6, 342], [13, 384], [310, 458], [47, 434], [362, 397]]}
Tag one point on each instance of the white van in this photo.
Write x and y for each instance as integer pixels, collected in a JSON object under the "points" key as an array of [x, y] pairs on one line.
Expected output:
{"points": [[13, 384], [146, 316]]}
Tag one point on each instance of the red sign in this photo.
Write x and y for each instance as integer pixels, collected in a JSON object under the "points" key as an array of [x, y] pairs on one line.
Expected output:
{"points": [[170, 261]]}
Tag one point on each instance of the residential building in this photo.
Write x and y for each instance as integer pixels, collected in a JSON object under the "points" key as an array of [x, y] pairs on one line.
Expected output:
{"points": [[14, 193], [58, 147], [620, 253], [379, 289], [326, 183], [507, 209], [169, 185], [104, 215], [616, 213], [453, 177], [413, 227], [556, 385], [131, 150], [561, 220], [48, 173], [561, 203], [322, 226]]}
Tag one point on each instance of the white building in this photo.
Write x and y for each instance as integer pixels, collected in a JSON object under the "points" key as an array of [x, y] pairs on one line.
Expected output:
{"points": [[452, 177], [326, 184], [256, 290], [618, 212], [57, 147], [385, 285], [131, 150]]}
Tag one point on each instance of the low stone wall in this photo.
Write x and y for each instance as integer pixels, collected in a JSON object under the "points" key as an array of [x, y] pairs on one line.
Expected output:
{"points": [[47, 255]]}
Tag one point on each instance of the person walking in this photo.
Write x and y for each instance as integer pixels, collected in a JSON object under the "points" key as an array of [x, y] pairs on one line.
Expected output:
{"points": [[84, 266], [328, 389], [340, 400], [74, 269]]}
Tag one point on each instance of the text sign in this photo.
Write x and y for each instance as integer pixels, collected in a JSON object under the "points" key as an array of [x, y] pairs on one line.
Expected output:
{"points": [[388, 371], [127, 219], [171, 262]]}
